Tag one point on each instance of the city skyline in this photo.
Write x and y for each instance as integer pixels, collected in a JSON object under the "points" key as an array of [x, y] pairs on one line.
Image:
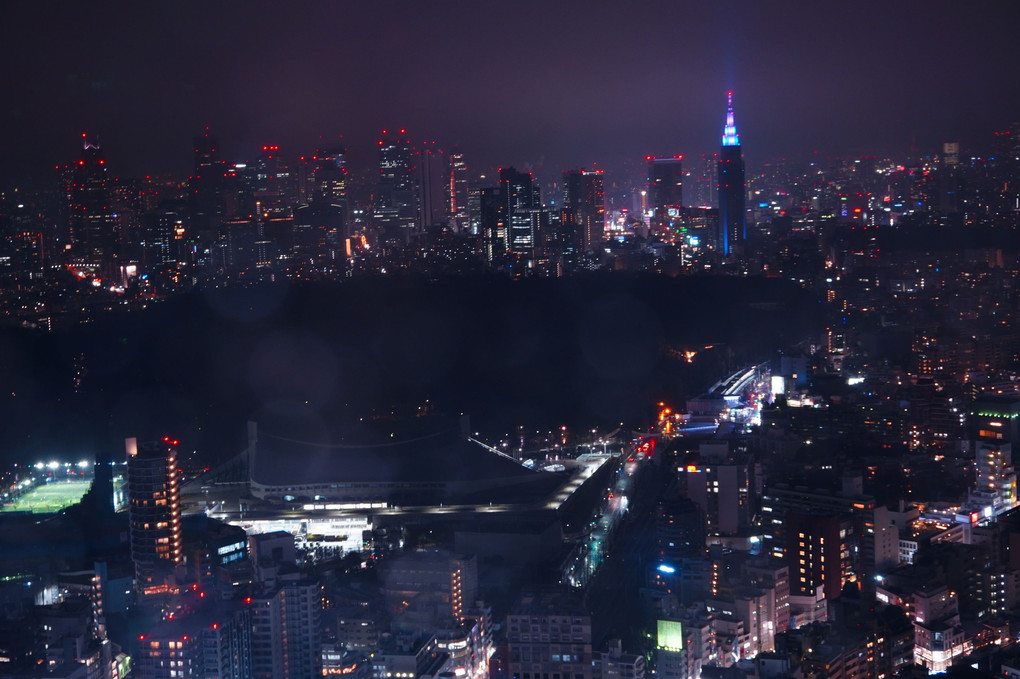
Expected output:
{"points": [[641, 403], [546, 88]]}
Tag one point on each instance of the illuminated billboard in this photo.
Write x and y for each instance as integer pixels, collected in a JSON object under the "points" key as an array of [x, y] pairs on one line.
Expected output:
{"points": [[671, 637]]}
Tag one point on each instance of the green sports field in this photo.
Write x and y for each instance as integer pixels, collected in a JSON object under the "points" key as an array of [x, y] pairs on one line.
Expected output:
{"points": [[49, 498]]}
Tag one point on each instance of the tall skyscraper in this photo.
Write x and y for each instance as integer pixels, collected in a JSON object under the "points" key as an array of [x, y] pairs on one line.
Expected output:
{"points": [[154, 511], [329, 176], [492, 224], [318, 232], [584, 203], [732, 225], [321, 224], [93, 226], [665, 188], [277, 184], [706, 180], [433, 180], [510, 215], [162, 232], [521, 200], [457, 193], [205, 200], [665, 182], [396, 198]]}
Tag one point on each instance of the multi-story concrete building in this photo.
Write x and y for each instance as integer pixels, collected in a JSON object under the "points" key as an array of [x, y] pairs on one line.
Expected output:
{"points": [[206, 638], [286, 634], [613, 663], [154, 512], [938, 636], [549, 636], [721, 485], [430, 589], [398, 658]]}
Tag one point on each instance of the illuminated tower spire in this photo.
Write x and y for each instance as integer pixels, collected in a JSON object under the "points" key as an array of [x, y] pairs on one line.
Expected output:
{"points": [[730, 136], [732, 222]]}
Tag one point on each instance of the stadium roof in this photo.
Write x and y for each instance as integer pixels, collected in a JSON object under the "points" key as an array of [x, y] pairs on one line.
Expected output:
{"points": [[435, 457]]}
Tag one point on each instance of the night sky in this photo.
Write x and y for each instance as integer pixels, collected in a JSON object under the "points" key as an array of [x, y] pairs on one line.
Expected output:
{"points": [[541, 85]]}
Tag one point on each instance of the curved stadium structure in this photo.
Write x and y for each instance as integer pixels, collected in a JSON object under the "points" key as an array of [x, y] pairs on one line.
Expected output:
{"points": [[397, 469]]}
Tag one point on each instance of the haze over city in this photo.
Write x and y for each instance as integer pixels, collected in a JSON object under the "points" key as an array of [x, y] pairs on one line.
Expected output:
{"points": [[538, 85], [534, 340]]}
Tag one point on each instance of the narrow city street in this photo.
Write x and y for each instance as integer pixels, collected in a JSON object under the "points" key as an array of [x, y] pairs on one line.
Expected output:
{"points": [[613, 598]]}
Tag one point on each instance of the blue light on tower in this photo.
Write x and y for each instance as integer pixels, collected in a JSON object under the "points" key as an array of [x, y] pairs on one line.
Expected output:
{"points": [[732, 224], [730, 136]]}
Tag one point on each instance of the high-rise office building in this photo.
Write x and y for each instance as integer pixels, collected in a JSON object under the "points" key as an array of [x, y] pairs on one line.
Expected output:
{"points": [[521, 200], [665, 186], [162, 233], [329, 175], [395, 211], [492, 224], [433, 179], [732, 224], [207, 158], [584, 205], [457, 201], [205, 199], [154, 511], [317, 236], [510, 216], [705, 181], [276, 181], [320, 225], [23, 248], [93, 225]]}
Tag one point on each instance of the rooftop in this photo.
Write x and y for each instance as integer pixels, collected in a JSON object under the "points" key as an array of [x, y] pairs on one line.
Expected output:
{"points": [[399, 454]]}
